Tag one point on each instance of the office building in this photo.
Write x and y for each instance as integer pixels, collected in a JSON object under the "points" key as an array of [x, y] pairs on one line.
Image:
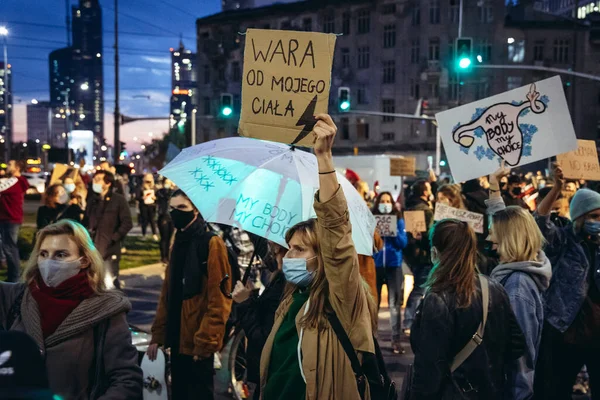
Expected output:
{"points": [[184, 92], [44, 125], [232, 5], [391, 54], [6, 120]]}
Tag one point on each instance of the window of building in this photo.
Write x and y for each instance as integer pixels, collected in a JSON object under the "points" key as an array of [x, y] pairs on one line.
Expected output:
{"points": [[345, 124], [485, 50], [388, 106], [455, 90], [516, 50], [206, 74], [206, 103], [285, 25], [222, 75], [415, 51], [361, 95], [538, 50], [236, 72], [206, 134], [434, 12], [483, 89], [266, 26], [364, 21], [414, 89], [415, 15], [389, 71], [513, 82], [389, 136], [345, 57], [329, 22], [346, 23], [486, 14], [434, 90], [205, 42], [434, 49], [389, 36], [363, 57], [451, 48], [389, 9], [362, 129], [561, 51], [453, 14], [307, 24]]}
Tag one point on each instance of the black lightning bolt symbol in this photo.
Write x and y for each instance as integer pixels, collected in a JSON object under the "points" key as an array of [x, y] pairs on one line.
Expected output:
{"points": [[307, 119]]}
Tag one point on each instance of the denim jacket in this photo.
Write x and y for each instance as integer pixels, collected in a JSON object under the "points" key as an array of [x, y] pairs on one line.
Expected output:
{"points": [[571, 268], [391, 255]]}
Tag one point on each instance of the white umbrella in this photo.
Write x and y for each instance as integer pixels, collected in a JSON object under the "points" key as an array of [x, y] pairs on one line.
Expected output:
{"points": [[261, 187]]}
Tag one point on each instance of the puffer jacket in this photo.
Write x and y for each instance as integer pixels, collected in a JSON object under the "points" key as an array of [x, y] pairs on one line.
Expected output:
{"points": [[440, 332], [571, 265], [97, 327], [391, 254]]}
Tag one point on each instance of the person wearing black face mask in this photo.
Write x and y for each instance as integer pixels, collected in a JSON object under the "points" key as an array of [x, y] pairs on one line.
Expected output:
{"points": [[192, 310], [512, 194]]}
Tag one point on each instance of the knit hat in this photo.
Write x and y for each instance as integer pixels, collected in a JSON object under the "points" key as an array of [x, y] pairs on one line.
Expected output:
{"points": [[22, 368], [584, 201]]}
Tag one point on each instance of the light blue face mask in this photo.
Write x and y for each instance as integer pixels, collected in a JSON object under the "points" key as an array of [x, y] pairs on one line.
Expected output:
{"points": [[592, 227], [295, 272]]}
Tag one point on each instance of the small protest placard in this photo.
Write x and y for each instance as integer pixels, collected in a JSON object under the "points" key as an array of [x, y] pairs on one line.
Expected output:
{"points": [[286, 81], [581, 163], [442, 211], [403, 166], [387, 225], [415, 221], [519, 126]]}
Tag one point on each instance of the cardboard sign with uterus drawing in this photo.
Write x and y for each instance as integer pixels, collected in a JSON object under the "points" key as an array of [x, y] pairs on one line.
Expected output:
{"points": [[519, 126]]}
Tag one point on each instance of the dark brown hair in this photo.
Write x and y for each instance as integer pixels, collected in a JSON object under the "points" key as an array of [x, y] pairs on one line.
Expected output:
{"points": [[453, 193], [375, 209], [50, 195], [456, 268]]}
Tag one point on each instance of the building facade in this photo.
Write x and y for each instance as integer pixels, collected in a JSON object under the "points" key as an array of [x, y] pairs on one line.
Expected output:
{"points": [[392, 54], [184, 93], [6, 112]]}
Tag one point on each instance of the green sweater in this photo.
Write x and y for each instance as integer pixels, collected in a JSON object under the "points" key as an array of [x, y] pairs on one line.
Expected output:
{"points": [[284, 380]]}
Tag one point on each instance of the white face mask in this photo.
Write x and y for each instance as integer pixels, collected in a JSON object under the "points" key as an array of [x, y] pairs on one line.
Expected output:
{"points": [[70, 187], [385, 208], [55, 272], [63, 198], [97, 188]]}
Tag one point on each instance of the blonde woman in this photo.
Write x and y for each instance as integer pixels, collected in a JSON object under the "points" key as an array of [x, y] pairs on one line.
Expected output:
{"points": [[525, 273], [147, 204], [303, 358], [79, 326]]}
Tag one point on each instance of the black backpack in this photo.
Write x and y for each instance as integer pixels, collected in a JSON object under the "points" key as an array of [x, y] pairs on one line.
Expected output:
{"points": [[372, 370]]}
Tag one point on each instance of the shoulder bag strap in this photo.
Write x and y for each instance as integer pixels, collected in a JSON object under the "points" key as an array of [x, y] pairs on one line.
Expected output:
{"points": [[477, 338], [342, 336]]}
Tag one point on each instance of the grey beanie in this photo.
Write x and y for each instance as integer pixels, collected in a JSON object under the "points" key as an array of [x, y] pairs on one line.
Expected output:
{"points": [[584, 201]]}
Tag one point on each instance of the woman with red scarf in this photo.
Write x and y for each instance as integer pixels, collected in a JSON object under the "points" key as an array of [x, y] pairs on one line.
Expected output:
{"points": [[78, 325]]}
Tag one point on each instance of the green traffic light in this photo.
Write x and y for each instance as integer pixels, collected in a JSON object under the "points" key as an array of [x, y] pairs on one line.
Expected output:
{"points": [[345, 105], [226, 111], [464, 63]]}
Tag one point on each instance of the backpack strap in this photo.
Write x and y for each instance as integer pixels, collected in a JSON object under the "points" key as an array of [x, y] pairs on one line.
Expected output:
{"points": [[477, 338], [97, 373], [15, 310]]}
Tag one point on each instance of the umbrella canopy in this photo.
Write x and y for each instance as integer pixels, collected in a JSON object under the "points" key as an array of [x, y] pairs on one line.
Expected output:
{"points": [[261, 187]]}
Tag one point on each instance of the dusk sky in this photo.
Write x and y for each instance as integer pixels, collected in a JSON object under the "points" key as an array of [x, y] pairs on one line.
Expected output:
{"points": [[148, 28]]}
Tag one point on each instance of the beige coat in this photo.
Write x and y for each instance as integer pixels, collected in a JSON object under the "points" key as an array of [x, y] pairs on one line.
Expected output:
{"points": [[326, 366]]}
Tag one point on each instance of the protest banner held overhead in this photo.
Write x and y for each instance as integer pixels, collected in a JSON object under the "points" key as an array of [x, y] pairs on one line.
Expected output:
{"points": [[403, 166], [415, 221], [443, 211], [387, 225], [581, 163], [286, 81], [519, 126]]}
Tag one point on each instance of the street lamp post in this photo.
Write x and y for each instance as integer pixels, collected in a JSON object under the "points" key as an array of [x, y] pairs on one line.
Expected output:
{"points": [[4, 33]]}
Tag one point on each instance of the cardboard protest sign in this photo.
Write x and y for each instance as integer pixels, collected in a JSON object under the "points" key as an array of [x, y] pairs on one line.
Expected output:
{"points": [[415, 221], [581, 163], [403, 166], [62, 172], [286, 81], [387, 225], [442, 211], [519, 126]]}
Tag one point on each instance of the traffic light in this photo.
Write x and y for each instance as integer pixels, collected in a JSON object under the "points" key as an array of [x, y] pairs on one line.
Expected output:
{"points": [[344, 99], [226, 108], [464, 53]]}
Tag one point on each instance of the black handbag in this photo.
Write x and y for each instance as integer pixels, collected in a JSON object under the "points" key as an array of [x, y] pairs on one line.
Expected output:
{"points": [[372, 370]]}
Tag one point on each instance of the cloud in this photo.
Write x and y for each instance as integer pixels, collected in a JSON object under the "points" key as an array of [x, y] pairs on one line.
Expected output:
{"points": [[157, 60]]}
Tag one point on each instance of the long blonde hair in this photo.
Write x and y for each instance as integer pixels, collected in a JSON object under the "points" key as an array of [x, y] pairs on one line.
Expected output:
{"points": [[315, 317], [81, 237], [517, 234]]}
